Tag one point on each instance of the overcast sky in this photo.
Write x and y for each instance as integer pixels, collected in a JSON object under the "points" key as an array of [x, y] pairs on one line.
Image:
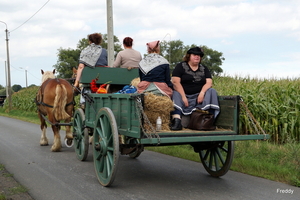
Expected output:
{"points": [[258, 38]]}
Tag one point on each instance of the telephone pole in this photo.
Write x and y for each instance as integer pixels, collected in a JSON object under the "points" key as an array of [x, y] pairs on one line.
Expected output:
{"points": [[8, 87], [110, 33]]}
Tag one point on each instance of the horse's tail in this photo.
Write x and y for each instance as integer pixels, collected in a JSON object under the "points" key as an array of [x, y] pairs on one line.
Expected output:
{"points": [[60, 103]]}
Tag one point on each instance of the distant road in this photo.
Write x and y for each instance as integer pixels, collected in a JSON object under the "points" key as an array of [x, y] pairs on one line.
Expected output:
{"points": [[152, 176]]}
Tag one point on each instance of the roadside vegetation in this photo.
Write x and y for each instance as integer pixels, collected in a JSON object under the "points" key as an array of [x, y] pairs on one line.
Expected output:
{"points": [[279, 163], [275, 105], [10, 189]]}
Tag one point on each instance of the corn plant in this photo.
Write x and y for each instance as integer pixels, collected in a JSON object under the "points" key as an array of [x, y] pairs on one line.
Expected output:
{"points": [[274, 103]]}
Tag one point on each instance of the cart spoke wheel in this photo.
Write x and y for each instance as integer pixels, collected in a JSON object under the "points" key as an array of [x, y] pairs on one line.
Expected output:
{"points": [[105, 146], [137, 152], [217, 158], [81, 135], [139, 149]]}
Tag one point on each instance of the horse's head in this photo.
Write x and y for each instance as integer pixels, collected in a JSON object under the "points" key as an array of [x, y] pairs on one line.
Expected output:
{"points": [[47, 75]]}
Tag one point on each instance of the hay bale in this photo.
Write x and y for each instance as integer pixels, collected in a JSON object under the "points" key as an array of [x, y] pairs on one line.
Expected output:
{"points": [[135, 82], [155, 106]]}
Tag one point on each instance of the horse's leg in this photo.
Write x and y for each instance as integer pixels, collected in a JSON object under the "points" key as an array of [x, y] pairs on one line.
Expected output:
{"points": [[44, 139], [58, 113], [69, 134], [56, 147]]}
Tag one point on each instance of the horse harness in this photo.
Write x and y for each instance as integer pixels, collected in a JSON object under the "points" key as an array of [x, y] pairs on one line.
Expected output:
{"points": [[40, 94]]}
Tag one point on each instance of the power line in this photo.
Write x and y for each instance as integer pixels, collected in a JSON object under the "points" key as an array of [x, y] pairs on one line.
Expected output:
{"points": [[30, 17]]}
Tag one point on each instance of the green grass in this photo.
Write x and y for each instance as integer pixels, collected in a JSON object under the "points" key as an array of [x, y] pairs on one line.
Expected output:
{"points": [[2, 196], [8, 175], [258, 158], [17, 190], [11, 191], [22, 115]]}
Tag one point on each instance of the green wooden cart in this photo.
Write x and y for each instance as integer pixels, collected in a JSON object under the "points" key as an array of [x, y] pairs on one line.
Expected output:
{"points": [[115, 122]]}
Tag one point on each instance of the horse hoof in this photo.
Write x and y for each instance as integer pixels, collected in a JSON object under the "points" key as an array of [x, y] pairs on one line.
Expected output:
{"points": [[69, 143], [55, 150]]}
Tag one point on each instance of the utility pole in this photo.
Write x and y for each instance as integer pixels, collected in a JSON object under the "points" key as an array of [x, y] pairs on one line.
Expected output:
{"points": [[6, 79], [26, 77], [110, 33], [8, 87]]}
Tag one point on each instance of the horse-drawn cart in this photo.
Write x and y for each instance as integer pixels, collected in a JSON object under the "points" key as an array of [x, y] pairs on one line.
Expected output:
{"points": [[116, 123]]}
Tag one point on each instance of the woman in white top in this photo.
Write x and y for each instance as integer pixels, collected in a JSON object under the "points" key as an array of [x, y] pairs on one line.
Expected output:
{"points": [[128, 58]]}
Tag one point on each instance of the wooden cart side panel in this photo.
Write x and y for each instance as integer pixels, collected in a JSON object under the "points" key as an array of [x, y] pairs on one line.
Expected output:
{"points": [[117, 76], [123, 108], [228, 117]]}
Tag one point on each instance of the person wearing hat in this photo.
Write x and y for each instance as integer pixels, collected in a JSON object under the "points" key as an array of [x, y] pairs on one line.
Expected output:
{"points": [[154, 72], [192, 83]]}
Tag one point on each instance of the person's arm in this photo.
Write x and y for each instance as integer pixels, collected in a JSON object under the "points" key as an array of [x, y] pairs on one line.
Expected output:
{"points": [[141, 75], [205, 87], [178, 87], [117, 62], [168, 76]]}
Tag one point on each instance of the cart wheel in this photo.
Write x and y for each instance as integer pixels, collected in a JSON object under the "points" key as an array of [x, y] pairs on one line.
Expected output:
{"points": [[81, 135], [217, 158], [137, 152], [105, 146]]}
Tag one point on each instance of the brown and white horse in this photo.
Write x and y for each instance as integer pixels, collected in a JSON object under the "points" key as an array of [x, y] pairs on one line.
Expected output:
{"points": [[55, 100]]}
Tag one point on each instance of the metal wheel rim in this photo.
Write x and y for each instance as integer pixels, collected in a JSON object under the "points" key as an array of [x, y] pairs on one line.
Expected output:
{"points": [[218, 159], [137, 152], [105, 146], [81, 136]]}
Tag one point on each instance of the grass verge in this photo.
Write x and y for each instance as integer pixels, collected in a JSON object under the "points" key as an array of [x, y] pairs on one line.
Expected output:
{"points": [[279, 163], [9, 188]]}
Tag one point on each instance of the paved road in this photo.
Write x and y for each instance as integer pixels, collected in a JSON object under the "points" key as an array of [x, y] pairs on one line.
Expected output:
{"points": [[50, 175]]}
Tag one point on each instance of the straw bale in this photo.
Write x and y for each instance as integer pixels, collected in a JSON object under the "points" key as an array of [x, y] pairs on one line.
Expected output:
{"points": [[135, 82], [155, 106]]}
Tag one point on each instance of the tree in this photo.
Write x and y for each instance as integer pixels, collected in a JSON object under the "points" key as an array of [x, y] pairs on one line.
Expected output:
{"points": [[69, 58], [175, 50], [117, 45], [212, 60], [3, 92], [16, 88]]}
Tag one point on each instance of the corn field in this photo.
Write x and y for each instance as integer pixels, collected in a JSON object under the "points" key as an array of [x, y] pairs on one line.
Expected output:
{"points": [[24, 99], [274, 104]]}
